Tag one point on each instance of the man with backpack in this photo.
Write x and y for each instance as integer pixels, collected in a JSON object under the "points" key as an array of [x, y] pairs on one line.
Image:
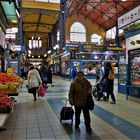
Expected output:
{"points": [[109, 79]]}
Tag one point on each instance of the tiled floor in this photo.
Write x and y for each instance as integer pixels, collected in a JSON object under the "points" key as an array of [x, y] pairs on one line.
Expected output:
{"points": [[40, 120]]}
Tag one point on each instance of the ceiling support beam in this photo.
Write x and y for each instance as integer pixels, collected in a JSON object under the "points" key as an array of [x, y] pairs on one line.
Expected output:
{"points": [[41, 5], [93, 7], [33, 23], [39, 18], [102, 13], [84, 3]]}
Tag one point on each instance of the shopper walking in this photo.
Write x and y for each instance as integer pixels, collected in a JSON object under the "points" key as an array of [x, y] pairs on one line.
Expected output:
{"points": [[49, 73], [73, 72], [79, 90], [98, 72], [109, 79], [44, 75], [34, 80]]}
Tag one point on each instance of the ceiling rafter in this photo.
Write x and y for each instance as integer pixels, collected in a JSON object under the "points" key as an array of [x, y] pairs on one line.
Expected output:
{"points": [[69, 5], [83, 4], [39, 18], [102, 13], [93, 7], [74, 7], [42, 11], [32, 32], [36, 23], [119, 14], [108, 10]]}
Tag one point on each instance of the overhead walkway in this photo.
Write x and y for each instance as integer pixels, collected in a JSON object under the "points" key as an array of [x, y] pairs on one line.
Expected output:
{"points": [[40, 120]]}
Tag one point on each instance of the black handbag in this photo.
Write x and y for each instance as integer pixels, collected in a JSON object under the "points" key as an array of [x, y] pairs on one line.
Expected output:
{"points": [[30, 90], [90, 102]]}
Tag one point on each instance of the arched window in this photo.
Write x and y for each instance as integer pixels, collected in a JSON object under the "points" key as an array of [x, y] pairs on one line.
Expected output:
{"points": [[77, 32], [96, 39]]}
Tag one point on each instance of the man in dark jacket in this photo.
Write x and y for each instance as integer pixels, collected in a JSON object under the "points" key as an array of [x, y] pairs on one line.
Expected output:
{"points": [[109, 83], [44, 75], [79, 89]]}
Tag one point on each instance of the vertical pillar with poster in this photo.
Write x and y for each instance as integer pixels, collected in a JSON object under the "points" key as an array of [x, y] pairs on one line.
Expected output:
{"points": [[13, 59]]}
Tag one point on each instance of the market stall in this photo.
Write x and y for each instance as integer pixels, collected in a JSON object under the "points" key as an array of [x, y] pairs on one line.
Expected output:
{"points": [[6, 106], [10, 84]]}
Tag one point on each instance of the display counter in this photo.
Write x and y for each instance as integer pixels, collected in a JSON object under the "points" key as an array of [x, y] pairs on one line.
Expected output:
{"points": [[4, 116], [3, 119], [133, 74]]}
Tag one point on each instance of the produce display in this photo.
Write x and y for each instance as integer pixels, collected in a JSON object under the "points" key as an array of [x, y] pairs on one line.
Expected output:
{"points": [[9, 83], [5, 103]]}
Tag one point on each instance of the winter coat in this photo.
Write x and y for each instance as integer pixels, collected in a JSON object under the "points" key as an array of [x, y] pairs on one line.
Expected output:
{"points": [[109, 82], [78, 92], [34, 78]]}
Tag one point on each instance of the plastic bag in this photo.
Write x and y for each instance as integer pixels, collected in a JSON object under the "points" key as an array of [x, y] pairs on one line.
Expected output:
{"points": [[41, 90]]}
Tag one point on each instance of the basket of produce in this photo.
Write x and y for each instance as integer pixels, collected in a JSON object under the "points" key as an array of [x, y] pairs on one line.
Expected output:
{"points": [[5, 103]]}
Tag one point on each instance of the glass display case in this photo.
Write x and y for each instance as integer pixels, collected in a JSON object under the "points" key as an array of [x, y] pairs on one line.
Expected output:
{"points": [[133, 74], [135, 67], [122, 70]]}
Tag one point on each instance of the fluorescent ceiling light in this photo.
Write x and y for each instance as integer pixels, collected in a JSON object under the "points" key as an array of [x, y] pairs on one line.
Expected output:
{"points": [[45, 55], [49, 51]]}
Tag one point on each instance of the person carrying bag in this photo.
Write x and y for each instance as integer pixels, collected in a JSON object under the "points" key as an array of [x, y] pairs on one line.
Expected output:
{"points": [[79, 90], [34, 80]]}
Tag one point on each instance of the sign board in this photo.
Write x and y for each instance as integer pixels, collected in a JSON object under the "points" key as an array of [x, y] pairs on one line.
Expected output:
{"points": [[129, 17], [133, 42]]}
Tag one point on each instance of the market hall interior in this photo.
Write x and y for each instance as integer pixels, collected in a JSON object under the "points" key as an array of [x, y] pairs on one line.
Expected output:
{"points": [[41, 119], [63, 35]]}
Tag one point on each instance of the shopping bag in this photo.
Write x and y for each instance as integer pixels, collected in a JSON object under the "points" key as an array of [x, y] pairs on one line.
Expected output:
{"points": [[66, 113], [30, 90], [90, 102], [41, 90]]}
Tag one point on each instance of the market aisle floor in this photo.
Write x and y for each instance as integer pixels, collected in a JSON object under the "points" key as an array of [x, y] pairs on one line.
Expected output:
{"points": [[40, 120]]}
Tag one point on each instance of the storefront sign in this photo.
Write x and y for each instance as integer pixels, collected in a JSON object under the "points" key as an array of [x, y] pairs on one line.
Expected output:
{"points": [[129, 17], [133, 42]]}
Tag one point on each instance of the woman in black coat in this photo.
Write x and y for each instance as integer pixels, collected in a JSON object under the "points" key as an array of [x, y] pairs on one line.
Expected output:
{"points": [[109, 82], [49, 73]]}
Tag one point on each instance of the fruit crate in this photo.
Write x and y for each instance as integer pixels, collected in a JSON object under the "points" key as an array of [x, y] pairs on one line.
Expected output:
{"points": [[7, 109]]}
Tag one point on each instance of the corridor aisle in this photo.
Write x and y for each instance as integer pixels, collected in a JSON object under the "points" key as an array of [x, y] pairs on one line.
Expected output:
{"points": [[40, 120]]}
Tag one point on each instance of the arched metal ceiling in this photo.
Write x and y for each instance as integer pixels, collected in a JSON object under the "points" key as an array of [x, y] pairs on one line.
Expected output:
{"points": [[102, 12], [38, 18]]}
